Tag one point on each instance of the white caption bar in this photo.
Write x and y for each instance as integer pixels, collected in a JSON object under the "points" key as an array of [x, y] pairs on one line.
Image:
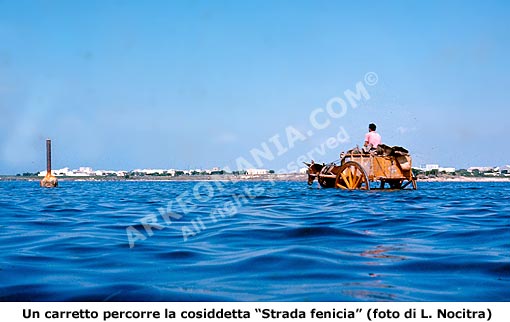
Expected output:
{"points": [[265, 311]]}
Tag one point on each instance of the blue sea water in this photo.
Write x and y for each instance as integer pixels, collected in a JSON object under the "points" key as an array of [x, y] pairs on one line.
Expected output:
{"points": [[253, 241]]}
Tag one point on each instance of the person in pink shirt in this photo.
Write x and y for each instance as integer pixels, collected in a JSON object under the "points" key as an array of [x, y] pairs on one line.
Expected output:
{"points": [[372, 138]]}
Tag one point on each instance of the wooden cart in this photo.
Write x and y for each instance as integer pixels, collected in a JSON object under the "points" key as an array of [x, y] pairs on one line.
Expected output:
{"points": [[364, 171]]}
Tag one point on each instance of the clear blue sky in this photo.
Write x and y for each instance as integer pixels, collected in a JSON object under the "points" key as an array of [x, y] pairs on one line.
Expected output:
{"points": [[178, 84]]}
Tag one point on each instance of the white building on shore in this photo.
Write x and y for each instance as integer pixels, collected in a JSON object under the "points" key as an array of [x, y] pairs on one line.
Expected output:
{"points": [[83, 172], [430, 167], [447, 169], [252, 172], [437, 167], [483, 169]]}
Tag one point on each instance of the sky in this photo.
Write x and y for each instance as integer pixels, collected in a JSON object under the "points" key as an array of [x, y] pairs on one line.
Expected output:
{"points": [[199, 84]]}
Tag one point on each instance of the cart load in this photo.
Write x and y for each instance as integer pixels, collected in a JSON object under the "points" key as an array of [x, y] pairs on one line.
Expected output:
{"points": [[384, 167]]}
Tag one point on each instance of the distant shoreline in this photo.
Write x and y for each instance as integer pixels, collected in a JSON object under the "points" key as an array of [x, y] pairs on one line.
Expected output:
{"points": [[465, 179], [224, 177], [247, 178]]}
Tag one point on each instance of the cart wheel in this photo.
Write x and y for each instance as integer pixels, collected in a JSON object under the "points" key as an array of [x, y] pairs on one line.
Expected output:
{"points": [[352, 176]]}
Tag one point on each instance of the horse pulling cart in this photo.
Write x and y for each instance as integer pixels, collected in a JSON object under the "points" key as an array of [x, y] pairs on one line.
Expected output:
{"points": [[358, 170]]}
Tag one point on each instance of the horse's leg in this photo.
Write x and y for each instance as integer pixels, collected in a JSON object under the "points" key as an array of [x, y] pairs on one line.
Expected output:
{"points": [[311, 179]]}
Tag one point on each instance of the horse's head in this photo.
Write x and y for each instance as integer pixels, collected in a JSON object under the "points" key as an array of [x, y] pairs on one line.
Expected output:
{"points": [[313, 171]]}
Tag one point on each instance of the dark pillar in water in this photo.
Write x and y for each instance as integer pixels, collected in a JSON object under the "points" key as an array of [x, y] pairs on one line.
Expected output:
{"points": [[48, 156]]}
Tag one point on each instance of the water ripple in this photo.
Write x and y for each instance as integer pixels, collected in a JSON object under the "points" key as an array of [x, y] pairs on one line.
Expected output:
{"points": [[288, 242]]}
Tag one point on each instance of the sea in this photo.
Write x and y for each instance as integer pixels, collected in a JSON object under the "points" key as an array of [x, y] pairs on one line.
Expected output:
{"points": [[253, 241]]}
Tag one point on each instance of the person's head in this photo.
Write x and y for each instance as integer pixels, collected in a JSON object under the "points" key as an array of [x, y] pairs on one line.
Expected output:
{"points": [[372, 127]]}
